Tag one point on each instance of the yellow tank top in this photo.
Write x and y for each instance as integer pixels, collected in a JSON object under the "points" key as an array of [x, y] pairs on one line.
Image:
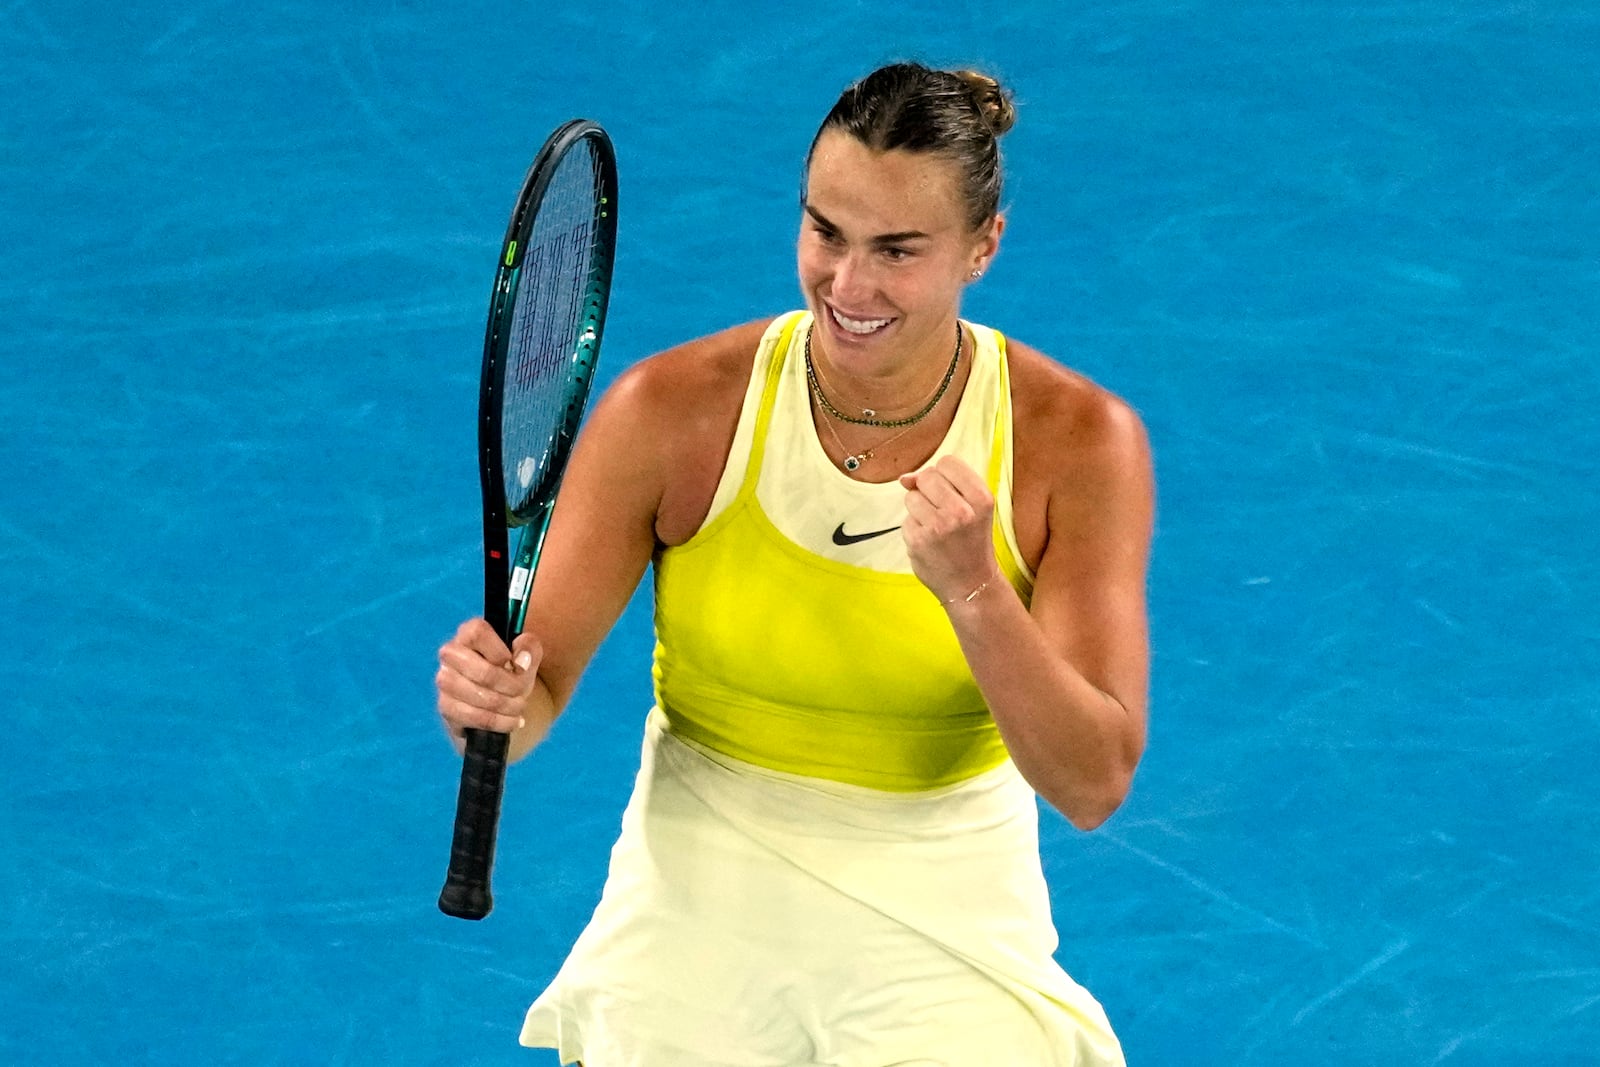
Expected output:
{"points": [[779, 645]]}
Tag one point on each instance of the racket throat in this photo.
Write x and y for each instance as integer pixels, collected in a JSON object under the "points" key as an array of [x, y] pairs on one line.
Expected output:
{"points": [[528, 540]]}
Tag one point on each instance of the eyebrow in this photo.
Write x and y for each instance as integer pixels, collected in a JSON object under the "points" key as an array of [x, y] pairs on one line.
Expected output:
{"points": [[881, 239]]}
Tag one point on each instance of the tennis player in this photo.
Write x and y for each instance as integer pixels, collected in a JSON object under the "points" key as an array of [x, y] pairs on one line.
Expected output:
{"points": [[899, 593]]}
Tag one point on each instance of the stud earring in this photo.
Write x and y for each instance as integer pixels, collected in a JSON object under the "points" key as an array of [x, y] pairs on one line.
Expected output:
{"points": [[976, 274]]}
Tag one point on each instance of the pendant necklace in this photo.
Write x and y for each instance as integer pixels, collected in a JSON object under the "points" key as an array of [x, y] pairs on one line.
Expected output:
{"points": [[854, 460], [869, 416]]}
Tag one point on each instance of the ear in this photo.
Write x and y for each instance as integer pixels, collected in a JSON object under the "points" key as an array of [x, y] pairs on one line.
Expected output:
{"points": [[987, 245]]}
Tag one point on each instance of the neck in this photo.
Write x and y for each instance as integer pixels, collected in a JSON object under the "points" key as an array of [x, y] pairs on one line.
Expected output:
{"points": [[907, 388]]}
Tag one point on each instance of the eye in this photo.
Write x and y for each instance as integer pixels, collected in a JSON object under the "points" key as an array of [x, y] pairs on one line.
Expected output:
{"points": [[895, 254], [825, 235]]}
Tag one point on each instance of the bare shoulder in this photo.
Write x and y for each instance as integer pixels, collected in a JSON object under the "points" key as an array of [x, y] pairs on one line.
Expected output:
{"points": [[1079, 448], [675, 414], [1058, 407], [690, 381]]}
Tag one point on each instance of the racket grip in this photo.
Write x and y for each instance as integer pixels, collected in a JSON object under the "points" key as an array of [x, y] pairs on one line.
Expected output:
{"points": [[483, 778]]}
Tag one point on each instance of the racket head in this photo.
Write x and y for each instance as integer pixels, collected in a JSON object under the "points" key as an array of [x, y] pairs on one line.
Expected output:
{"points": [[546, 319]]}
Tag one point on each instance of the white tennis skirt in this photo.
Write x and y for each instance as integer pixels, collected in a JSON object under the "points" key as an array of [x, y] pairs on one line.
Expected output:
{"points": [[758, 919]]}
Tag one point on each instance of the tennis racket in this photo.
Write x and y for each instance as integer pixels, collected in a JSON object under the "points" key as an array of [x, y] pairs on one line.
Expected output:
{"points": [[543, 339]]}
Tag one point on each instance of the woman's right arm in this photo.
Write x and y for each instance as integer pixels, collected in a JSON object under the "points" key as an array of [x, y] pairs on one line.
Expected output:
{"points": [[638, 466]]}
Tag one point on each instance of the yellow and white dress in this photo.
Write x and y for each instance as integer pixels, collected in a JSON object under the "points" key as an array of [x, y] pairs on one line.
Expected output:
{"points": [[828, 857]]}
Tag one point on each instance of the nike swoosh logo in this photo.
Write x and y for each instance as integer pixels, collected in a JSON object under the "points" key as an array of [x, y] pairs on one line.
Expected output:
{"points": [[841, 538]]}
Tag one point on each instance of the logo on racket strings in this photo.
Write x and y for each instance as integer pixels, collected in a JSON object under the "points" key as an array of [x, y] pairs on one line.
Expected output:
{"points": [[550, 303]]}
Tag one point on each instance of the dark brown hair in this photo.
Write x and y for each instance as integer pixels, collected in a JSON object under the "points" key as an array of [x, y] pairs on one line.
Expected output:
{"points": [[957, 114]]}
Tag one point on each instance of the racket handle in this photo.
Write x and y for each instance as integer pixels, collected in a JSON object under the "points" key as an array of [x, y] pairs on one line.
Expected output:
{"points": [[483, 778]]}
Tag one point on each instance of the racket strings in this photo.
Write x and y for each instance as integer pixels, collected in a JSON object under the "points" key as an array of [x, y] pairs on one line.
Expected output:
{"points": [[553, 327]]}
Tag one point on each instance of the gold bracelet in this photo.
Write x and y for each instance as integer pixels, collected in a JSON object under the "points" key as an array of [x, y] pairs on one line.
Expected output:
{"points": [[969, 598]]}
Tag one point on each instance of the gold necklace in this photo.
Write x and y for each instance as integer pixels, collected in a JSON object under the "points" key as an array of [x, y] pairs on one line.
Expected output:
{"points": [[854, 460], [871, 418]]}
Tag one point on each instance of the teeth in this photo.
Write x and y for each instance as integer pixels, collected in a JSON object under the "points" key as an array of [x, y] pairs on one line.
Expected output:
{"points": [[859, 325]]}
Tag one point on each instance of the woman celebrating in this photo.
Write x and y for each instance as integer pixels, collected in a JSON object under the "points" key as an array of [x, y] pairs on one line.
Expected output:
{"points": [[899, 577]]}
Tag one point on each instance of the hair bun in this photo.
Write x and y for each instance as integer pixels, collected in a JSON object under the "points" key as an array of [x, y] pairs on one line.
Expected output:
{"points": [[991, 100]]}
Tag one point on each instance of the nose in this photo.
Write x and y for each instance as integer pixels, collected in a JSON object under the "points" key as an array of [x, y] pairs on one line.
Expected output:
{"points": [[853, 282]]}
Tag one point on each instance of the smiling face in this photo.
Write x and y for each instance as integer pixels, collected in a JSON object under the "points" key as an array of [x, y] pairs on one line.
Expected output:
{"points": [[885, 251]]}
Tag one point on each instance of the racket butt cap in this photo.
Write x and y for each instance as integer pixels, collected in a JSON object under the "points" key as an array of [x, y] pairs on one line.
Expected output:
{"points": [[465, 901]]}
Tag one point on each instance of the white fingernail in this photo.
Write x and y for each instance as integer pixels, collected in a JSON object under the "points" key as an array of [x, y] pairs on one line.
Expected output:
{"points": [[524, 660]]}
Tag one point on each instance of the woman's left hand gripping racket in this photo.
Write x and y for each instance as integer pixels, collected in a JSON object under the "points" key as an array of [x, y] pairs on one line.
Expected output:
{"points": [[543, 339]]}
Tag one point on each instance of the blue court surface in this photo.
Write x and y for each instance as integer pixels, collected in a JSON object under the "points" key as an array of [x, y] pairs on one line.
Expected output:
{"points": [[1344, 258]]}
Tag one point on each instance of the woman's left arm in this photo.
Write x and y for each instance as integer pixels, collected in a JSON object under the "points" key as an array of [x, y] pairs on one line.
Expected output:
{"points": [[1067, 678]]}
